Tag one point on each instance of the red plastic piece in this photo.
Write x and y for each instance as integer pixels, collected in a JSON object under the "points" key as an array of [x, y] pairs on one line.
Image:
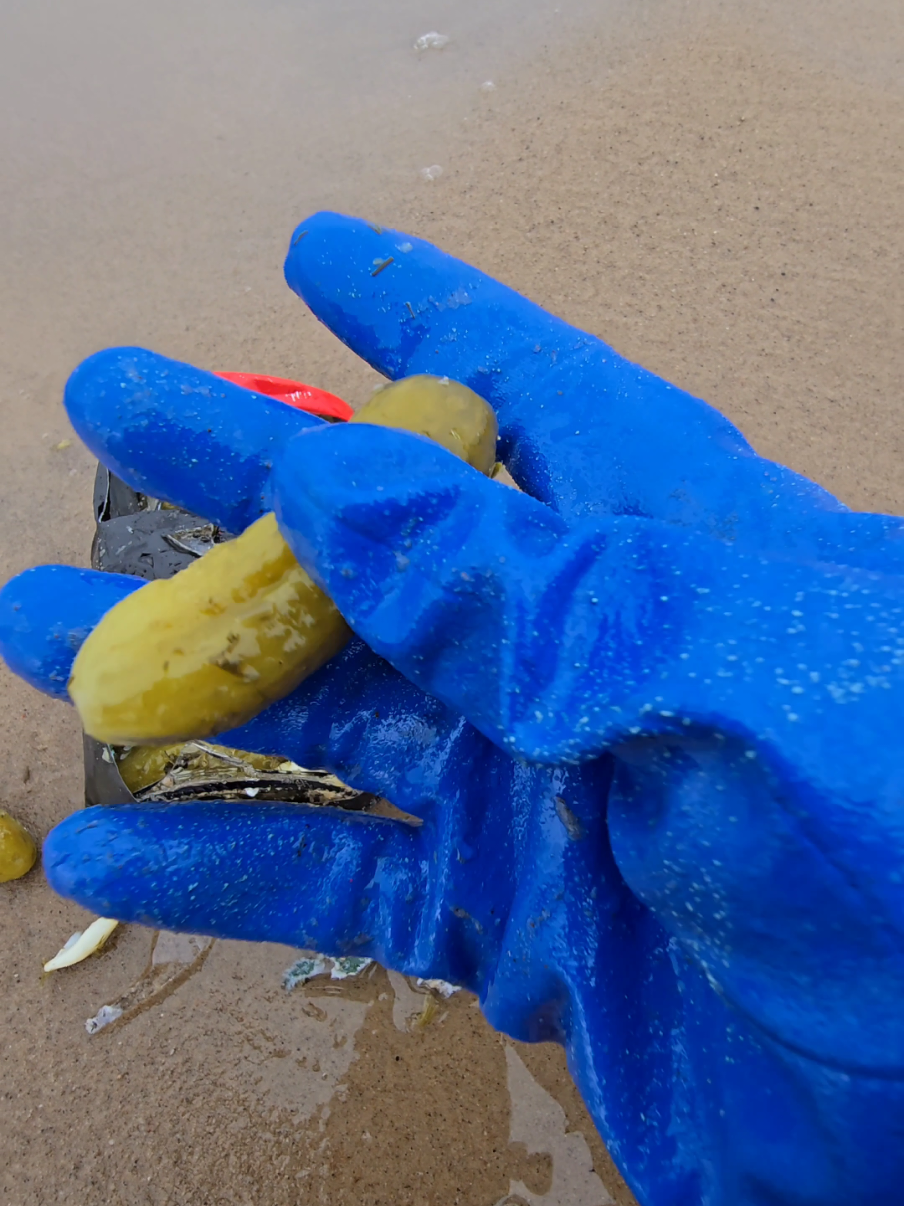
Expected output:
{"points": [[293, 393]]}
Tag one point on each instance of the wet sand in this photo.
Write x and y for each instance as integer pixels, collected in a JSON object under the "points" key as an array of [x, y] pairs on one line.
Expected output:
{"points": [[712, 188]]}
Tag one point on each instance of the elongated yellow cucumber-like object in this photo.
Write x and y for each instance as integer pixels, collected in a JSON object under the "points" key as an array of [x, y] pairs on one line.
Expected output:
{"points": [[18, 851], [187, 657], [445, 411], [204, 651]]}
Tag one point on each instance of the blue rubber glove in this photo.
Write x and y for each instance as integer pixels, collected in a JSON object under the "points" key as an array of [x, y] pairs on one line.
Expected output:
{"points": [[649, 719]]}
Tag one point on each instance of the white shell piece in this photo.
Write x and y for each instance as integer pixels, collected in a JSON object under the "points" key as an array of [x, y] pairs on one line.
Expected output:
{"points": [[432, 41], [80, 946], [104, 1016], [443, 987]]}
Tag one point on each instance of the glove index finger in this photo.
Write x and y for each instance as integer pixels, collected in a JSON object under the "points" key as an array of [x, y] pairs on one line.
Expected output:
{"points": [[182, 434], [581, 428]]}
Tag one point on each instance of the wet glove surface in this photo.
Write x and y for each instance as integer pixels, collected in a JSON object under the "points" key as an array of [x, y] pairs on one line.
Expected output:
{"points": [[648, 714]]}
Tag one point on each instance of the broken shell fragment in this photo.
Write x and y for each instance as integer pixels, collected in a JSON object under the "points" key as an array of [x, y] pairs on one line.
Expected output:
{"points": [[82, 944], [18, 851], [104, 1016]]}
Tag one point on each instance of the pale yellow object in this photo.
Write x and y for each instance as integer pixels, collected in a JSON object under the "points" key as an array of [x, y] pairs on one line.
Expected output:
{"points": [[144, 765], [208, 649], [81, 945], [445, 411], [18, 851], [190, 656]]}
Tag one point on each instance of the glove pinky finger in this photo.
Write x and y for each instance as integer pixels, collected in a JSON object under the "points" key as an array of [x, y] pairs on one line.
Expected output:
{"points": [[340, 883]]}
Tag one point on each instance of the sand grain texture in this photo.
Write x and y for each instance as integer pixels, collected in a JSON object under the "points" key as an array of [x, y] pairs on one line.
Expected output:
{"points": [[712, 188]]}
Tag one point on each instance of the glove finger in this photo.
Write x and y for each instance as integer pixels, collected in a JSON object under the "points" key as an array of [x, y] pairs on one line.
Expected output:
{"points": [[581, 428], [45, 615], [339, 883], [357, 716], [437, 568], [181, 434], [557, 641]]}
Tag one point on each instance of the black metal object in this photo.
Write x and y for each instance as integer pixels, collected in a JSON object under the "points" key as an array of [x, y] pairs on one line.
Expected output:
{"points": [[103, 782], [137, 535]]}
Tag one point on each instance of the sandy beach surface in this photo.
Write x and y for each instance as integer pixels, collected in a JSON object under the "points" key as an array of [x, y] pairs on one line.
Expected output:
{"points": [[714, 189]]}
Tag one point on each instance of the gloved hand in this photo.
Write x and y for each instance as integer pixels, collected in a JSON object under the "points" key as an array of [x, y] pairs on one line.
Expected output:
{"points": [[649, 719]]}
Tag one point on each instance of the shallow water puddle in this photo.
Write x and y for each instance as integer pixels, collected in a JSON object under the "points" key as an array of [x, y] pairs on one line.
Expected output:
{"points": [[174, 959], [538, 1121], [291, 1051]]}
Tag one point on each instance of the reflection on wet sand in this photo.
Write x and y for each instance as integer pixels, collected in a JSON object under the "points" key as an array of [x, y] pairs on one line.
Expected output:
{"points": [[318, 1055]]}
